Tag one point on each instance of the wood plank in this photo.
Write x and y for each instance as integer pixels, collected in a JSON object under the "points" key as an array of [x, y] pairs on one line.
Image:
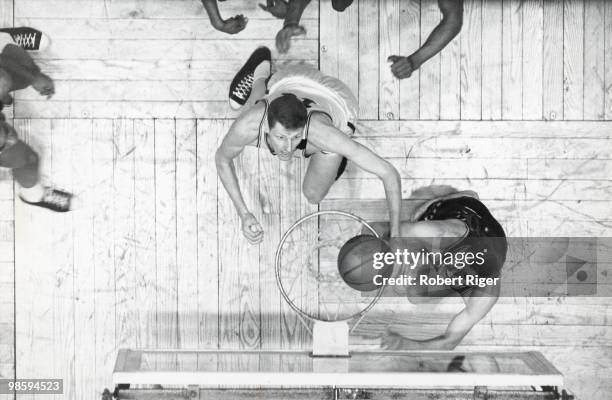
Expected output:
{"points": [[31, 314], [134, 90], [103, 257], [7, 301], [84, 270], [566, 211], [552, 101], [487, 189], [496, 129], [368, 59], [123, 109], [533, 31], [594, 55], [389, 44], [512, 60], [471, 61], [477, 147], [61, 257], [492, 62], [461, 168], [146, 70], [135, 9], [573, 59], [429, 77], [330, 42], [187, 241], [607, 63], [123, 232], [150, 49], [208, 134], [450, 80], [182, 28], [270, 199], [165, 233], [410, 39], [348, 33], [570, 169], [145, 293]]}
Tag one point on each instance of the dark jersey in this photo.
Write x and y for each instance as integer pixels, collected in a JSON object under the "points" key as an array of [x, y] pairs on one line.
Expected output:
{"points": [[484, 234]]}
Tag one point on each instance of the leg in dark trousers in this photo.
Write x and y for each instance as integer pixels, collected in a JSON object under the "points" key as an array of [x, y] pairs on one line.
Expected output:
{"points": [[23, 161]]}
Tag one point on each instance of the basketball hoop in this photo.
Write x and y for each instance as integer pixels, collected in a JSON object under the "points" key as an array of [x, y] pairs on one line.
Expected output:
{"points": [[305, 263]]}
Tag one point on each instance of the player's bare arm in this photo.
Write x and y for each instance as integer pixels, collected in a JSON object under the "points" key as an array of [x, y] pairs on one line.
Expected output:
{"points": [[447, 29], [478, 304], [241, 134], [327, 138]]}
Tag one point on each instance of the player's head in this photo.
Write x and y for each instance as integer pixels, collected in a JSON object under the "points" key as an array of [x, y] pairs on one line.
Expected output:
{"points": [[286, 117]]}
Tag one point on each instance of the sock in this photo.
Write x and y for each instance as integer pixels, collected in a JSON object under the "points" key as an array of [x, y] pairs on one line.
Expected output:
{"points": [[33, 194], [262, 71]]}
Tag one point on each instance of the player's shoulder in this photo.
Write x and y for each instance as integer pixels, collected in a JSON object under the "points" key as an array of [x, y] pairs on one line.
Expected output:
{"points": [[247, 124]]}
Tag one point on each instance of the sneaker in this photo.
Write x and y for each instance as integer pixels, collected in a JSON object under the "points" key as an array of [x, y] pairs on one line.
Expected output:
{"points": [[53, 199], [241, 86], [27, 38]]}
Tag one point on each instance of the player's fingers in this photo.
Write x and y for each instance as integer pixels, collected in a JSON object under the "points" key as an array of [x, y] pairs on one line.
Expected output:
{"points": [[393, 58], [265, 8], [399, 64]]}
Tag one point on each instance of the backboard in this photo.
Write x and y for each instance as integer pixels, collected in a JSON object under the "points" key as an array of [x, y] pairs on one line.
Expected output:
{"points": [[377, 369]]}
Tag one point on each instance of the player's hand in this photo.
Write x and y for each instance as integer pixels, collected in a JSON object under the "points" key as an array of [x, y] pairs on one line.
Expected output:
{"points": [[277, 8], [402, 67], [251, 228], [391, 340], [234, 24], [44, 85], [283, 37]]}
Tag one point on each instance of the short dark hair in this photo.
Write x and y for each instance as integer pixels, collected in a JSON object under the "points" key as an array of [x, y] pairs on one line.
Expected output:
{"points": [[288, 110]]}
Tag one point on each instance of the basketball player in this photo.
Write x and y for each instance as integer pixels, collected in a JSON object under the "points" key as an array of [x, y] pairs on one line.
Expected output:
{"points": [[447, 29], [18, 71], [465, 225], [291, 11], [298, 109], [23, 162], [402, 66]]}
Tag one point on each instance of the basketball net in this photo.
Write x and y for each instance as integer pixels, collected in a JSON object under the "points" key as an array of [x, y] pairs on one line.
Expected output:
{"points": [[308, 279]]}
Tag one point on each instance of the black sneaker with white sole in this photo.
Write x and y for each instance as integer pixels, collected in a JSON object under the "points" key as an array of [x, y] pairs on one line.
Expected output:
{"points": [[241, 86], [27, 38], [53, 199]]}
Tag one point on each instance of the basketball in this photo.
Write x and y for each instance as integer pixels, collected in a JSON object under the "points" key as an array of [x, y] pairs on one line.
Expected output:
{"points": [[356, 262]]}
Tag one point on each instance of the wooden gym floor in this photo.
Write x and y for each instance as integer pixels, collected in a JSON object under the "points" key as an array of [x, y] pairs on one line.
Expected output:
{"points": [[517, 108]]}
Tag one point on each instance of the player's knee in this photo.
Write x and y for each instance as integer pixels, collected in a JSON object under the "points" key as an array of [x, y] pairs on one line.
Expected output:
{"points": [[312, 195], [341, 5], [32, 158]]}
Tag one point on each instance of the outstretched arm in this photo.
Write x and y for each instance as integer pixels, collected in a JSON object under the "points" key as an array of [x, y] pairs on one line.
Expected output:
{"points": [[447, 29], [477, 306], [291, 27], [21, 66], [231, 25], [328, 138], [239, 135]]}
